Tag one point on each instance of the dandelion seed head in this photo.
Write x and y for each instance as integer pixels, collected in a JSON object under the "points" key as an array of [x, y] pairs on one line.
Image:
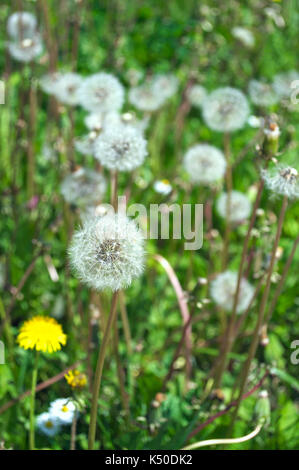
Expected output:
{"points": [[282, 180], [107, 253], [94, 121], [225, 109], [49, 82], [261, 93], [146, 98], [282, 83], [66, 88], [27, 49], [223, 289], [165, 85], [83, 187], [101, 93], [21, 25], [47, 424], [62, 409], [196, 95], [85, 144], [240, 206], [121, 148], [204, 164]]}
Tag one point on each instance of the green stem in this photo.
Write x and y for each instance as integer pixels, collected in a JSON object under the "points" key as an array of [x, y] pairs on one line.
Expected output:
{"points": [[99, 372], [32, 403]]}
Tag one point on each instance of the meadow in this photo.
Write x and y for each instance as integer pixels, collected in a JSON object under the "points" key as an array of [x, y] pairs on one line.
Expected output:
{"points": [[111, 339]]}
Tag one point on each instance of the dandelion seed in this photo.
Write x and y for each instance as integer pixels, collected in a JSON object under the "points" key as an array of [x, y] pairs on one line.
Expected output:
{"points": [[47, 424], [283, 181], [196, 95], [21, 25], [244, 35], [225, 110], [101, 93], [204, 164], [240, 206], [122, 148], [261, 93], [62, 409], [282, 83], [107, 252], [223, 289], [27, 49], [83, 187], [42, 334]]}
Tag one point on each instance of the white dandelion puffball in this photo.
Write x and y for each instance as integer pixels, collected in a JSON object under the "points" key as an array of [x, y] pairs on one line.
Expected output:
{"points": [[223, 289], [85, 144], [282, 83], [107, 253], [204, 164], [94, 121], [196, 95], [240, 206], [83, 187], [162, 187], [27, 49], [67, 86], [49, 82], [122, 148], [225, 109], [62, 409], [244, 35], [101, 93], [146, 98], [21, 25], [261, 93], [282, 181], [113, 119], [47, 424], [166, 85]]}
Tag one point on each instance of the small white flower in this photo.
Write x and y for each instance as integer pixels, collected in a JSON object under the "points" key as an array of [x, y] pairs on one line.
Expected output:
{"points": [[122, 148], [146, 98], [244, 35], [240, 206], [163, 187], [282, 180], [225, 109], [27, 49], [62, 409], [196, 95], [83, 187], [21, 25], [282, 83], [101, 93], [166, 85], [107, 252], [205, 164], [47, 424], [223, 289], [261, 93], [66, 88]]}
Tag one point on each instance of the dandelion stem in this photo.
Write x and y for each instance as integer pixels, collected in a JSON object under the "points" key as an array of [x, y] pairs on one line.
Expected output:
{"points": [[74, 431], [257, 330], [229, 187], [99, 371], [32, 403]]}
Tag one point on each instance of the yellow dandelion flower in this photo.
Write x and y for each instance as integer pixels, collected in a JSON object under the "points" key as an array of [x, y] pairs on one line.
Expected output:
{"points": [[41, 333], [76, 379]]}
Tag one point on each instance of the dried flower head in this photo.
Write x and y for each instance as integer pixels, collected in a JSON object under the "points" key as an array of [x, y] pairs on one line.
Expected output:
{"points": [[146, 98], [66, 88], [42, 334], [27, 49], [101, 93], [62, 409], [239, 207], [225, 110], [223, 289], [283, 181], [122, 148], [196, 95], [261, 93], [83, 187], [21, 25], [204, 164], [47, 424], [107, 252], [244, 35], [282, 83]]}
